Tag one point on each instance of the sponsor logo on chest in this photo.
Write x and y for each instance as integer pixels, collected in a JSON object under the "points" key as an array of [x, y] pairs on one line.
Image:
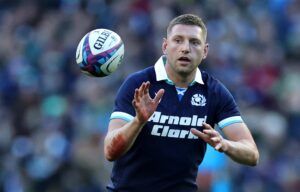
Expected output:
{"points": [[168, 120]]}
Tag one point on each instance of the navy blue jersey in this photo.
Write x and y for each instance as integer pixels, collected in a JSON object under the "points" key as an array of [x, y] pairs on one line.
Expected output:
{"points": [[166, 155]]}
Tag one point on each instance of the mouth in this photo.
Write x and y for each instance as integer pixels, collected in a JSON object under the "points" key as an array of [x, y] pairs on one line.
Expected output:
{"points": [[184, 59]]}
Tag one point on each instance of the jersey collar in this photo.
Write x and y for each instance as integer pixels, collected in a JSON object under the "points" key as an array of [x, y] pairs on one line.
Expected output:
{"points": [[161, 73]]}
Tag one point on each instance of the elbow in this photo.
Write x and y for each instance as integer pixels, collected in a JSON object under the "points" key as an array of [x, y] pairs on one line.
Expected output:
{"points": [[255, 159], [109, 156], [112, 153], [114, 148], [108, 151]]}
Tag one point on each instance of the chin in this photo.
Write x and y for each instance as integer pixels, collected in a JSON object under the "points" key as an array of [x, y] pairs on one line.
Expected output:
{"points": [[184, 72]]}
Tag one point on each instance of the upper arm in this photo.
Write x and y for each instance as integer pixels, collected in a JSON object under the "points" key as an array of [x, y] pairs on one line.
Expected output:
{"points": [[238, 132], [115, 124], [226, 111], [228, 116], [123, 108], [123, 111]]}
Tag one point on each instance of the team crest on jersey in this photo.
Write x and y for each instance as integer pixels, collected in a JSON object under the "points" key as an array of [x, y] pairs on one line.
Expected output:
{"points": [[198, 100]]}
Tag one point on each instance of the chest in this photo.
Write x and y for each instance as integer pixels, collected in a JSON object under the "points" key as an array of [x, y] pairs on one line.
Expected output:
{"points": [[194, 101]]}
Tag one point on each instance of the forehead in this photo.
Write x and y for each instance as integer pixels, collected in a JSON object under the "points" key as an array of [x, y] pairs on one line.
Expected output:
{"points": [[192, 31]]}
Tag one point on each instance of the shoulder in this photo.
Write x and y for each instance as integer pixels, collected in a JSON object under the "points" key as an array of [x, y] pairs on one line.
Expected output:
{"points": [[213, 84], [135, 79], [147, 74]]}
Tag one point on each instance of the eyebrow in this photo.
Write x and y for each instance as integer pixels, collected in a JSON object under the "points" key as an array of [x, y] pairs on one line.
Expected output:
{"points": [[179, 35], [190, 38]]}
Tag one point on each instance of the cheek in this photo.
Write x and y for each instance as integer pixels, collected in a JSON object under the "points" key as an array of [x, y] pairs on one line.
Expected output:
{"points": [[171, 50], [199, 53]]}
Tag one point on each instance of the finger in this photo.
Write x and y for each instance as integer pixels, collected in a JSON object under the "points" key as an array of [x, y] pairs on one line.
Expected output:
{"points": [[218, 146], [206, 126], [136, 95], [159, 95], [211, 133], [141, 88], [215, 139], [134, 103], [146, 89], [199, 134]]}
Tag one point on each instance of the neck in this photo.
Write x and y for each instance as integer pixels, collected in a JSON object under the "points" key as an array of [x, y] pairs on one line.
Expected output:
{"points": [[180, 79]]}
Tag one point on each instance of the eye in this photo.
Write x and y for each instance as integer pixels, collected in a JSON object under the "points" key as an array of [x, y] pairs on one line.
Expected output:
{"points": [[196, 42], [177, 40]]}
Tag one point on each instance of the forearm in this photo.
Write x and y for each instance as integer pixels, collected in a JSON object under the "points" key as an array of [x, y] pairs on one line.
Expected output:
{"points": [[241, 151], [118, 141]]}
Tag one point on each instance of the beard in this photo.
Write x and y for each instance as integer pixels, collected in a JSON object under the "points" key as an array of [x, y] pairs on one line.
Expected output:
{"points": [[186, 70]]}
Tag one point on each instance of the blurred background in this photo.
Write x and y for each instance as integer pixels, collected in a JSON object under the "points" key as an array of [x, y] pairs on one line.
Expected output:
{"points": [[53, 118]]}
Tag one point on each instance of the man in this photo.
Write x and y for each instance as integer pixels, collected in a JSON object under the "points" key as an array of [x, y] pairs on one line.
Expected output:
{"points": [[164, 116]]}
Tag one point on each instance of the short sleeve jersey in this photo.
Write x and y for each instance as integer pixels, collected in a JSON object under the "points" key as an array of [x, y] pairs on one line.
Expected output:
{"points": [[165, 156]]}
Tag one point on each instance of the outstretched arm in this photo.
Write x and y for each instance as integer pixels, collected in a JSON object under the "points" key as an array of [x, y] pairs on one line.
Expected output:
{"points": [[239, 145], [121, 134]]}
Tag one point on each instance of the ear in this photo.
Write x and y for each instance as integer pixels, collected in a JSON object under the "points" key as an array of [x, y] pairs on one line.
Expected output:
{"points": [[206, 48], [164, 46]]}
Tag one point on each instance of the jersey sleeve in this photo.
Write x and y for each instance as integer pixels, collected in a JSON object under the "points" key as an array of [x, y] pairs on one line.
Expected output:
{"points": [[227, 109], [123, 108]]}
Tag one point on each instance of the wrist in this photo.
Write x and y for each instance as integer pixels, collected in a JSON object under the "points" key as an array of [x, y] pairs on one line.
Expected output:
{"points": [[225, 145], [139, 122]]}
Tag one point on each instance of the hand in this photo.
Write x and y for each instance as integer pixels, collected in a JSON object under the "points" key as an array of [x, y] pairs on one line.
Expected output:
{"points": [[212, 137], [144, 105]]}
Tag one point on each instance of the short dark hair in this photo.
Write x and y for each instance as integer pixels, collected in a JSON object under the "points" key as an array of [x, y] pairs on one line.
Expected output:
{"points": [[188, 19]]}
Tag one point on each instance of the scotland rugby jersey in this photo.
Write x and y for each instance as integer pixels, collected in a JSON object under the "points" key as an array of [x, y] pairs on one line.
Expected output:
{"points": [[166, 155]]}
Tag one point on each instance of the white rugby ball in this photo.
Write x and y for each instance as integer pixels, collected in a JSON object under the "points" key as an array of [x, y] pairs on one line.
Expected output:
{"points": [[100, 52]]}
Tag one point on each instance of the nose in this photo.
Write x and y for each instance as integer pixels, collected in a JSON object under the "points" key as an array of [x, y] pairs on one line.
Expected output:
{"points": [[185, 47]]}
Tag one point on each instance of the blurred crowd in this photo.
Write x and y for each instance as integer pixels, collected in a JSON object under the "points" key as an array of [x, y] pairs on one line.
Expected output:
{"points": [[53, 118]]}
